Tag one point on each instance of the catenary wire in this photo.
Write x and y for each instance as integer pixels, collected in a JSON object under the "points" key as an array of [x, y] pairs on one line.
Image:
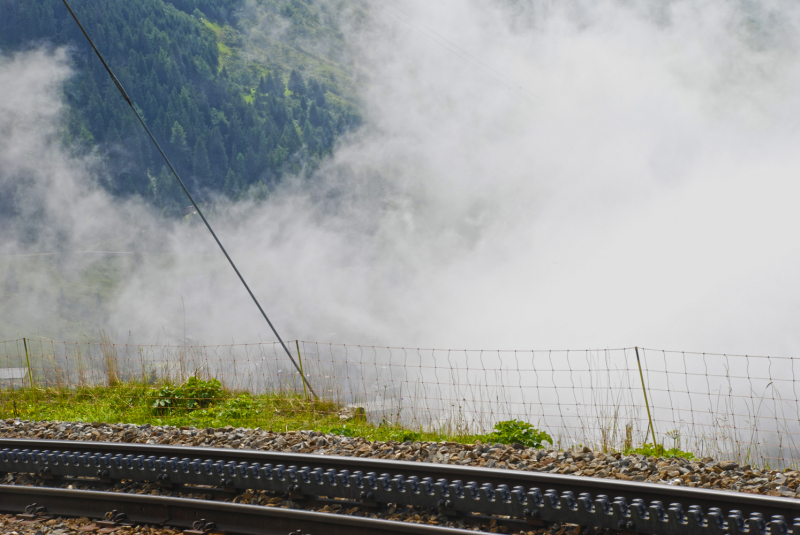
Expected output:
{"points": [[185, 190]]}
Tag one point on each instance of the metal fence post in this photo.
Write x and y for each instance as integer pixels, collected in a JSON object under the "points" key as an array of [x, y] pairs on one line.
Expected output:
{"points": [[28, 360], [646, 403], [303, 378]]}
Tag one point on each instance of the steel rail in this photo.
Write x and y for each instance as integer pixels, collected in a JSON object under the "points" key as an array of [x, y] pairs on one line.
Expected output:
{"points": [[183, 513], [748, 504], [426, 487]]}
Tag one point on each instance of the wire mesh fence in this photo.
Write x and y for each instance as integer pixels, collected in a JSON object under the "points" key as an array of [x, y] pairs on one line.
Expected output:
{"points": [[736, 407]]}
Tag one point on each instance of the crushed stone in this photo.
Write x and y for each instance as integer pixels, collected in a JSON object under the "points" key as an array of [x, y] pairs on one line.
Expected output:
{"points": [[703, 473]]}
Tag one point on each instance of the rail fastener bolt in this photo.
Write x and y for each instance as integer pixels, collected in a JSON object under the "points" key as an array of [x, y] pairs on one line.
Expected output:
{"points": [[113, 519], [201, 527], [34, 513], [532, 517]]}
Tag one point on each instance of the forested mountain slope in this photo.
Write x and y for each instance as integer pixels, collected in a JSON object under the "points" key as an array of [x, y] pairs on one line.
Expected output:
{"points": [[240, 92]]}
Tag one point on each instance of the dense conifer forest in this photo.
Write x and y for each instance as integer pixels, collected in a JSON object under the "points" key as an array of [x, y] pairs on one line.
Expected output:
{"points": [[236, 109]]}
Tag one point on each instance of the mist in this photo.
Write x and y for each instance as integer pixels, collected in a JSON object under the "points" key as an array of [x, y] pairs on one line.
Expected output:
{"points": [[593, 175]]}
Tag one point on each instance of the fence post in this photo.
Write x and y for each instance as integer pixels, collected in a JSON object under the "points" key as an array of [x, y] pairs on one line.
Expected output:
{"points": [[303, 377], [646, 403], [28, 360]]}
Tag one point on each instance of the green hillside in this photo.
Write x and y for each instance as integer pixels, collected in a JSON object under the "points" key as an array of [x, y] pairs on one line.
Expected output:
{"points": [[240, 93]]}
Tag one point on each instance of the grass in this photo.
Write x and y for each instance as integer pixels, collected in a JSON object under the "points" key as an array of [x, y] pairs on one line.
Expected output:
{"points": [[225, 36], [175, 385], [140, 402], [133, 402]]}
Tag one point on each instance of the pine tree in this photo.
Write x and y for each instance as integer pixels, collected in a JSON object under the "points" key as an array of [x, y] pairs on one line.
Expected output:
{"points": [[239, 165], [314, 115], [200, 166], [217, 156], [296, 84], [167, 189], [274, 85], [309, 138], [179, 144], [232, 186], [290, 140]]}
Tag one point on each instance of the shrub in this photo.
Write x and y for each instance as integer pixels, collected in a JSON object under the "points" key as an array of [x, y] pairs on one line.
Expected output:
{"points": [[199, 393], [193, 394], [165, 399], [511, 431]]}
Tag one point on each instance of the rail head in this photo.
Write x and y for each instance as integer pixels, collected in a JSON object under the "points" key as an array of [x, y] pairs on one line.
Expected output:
{"points": [[747, 503], [182, 513], [611, 504]]}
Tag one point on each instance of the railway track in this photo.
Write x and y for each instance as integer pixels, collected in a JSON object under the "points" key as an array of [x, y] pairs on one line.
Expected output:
{"points": [[456, 491], [195, 515]]}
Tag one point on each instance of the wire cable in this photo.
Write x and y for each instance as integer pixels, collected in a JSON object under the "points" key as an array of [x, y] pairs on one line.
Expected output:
{"points": [[186, 191]]}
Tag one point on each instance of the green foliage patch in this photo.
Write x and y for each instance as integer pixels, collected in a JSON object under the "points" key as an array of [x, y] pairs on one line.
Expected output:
{"points": [[404, 435], [658, 450], [237, 408], [194, 394], [517, 431], [345, 430], [202, 402]]}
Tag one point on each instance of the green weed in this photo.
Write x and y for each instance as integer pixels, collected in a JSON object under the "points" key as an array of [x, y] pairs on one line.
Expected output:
{"points": [[517, 431], [345, 430], [192, 395], [658, 450]]}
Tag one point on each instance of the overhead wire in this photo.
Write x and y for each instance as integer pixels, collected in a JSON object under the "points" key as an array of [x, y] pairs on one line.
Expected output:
{"points": [[186, 191], [396, 12]]}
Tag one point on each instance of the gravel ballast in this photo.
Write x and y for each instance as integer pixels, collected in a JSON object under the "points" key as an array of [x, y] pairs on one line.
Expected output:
{"points": [[705, 473], [10, 525]]}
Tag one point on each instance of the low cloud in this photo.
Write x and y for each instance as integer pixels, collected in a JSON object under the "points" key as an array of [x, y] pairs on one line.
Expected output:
{"points": [[591, 175]]}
